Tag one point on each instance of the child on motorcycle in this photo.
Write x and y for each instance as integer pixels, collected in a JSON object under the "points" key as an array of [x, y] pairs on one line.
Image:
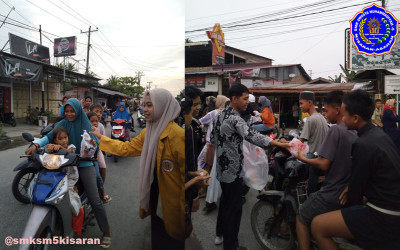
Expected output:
{"points": [[267, 116], [123, 114], [60, 139]]}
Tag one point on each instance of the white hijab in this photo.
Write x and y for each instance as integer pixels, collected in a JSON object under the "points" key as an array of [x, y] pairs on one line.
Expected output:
{"points": [[166, 109]]}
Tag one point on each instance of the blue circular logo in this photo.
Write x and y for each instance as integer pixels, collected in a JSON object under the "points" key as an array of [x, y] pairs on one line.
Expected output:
{"points": [[374, 30]]}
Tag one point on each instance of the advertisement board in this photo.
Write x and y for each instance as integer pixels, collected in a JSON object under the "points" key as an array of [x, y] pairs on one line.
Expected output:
{"points": [[16, 68], [25, 48], [218, 42], [65, 46], [392, 85]]}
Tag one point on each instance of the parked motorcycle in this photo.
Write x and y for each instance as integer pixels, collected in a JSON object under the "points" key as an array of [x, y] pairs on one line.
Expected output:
{"points": [[273, 217], [141, 119], [51, 213], [118, 132], [7, 117], [27, 170]]}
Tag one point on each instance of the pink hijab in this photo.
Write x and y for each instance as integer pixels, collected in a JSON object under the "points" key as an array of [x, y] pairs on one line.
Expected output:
{"points": [[220, 102], [166, 109]]}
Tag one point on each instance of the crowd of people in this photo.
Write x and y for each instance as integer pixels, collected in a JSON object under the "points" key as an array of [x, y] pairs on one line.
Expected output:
{"points": [[352, 190]]}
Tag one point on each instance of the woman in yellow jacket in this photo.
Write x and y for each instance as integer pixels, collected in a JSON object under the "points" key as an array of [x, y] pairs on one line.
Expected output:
{"points": [[161, 146]]}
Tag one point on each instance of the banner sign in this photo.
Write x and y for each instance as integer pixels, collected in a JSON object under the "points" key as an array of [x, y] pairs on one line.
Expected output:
{"points": [[65, 46], [357, 61], [16, 68], [218, 42], [196, 81], [392, 85], [374, 30], [25, 48]]}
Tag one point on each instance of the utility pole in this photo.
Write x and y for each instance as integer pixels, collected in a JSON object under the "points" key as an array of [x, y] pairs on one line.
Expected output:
{"points": [[88, 47], [139, 75], [383, 3], [40, 32], [148, 87]]}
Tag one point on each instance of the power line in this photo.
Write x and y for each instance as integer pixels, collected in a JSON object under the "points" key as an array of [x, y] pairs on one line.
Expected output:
{"points": [[78, 14], [67, 12], [53, 15], [105, 62]]}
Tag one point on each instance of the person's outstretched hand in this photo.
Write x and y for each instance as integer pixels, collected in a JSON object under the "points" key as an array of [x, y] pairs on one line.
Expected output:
{"points": [[95, 132]]}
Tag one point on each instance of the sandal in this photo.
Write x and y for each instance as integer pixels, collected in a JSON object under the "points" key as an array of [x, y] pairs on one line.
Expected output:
{"points": [[106, 198], [105, 242]]}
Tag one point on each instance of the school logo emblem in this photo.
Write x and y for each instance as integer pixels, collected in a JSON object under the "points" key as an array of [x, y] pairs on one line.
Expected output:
{"points": [[167, 165], [374, 30]]}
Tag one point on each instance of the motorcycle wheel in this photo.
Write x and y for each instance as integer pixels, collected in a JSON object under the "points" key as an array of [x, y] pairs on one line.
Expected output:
{"points": [[45, 234], [21, 184], [13, 122], [262, 216]]}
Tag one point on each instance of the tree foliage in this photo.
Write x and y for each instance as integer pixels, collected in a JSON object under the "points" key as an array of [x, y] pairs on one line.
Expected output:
{"points": [[349, 76], [337, 79], [128, 85]]}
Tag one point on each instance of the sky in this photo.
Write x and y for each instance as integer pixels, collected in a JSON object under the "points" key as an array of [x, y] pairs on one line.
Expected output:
{"points": [[320, 50], [132, 36]]}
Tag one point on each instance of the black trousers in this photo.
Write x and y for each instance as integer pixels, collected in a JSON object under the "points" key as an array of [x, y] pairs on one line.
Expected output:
{"points": [[313, 185], [230, 213]]}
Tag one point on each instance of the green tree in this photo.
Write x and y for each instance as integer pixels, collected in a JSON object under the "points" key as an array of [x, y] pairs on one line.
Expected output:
{"points": [[349, 76], [337, 79], [68, 66], [128, 85]]}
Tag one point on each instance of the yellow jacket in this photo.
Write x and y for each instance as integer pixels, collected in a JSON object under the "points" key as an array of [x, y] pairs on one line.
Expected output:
{"points": [[171, 179]]}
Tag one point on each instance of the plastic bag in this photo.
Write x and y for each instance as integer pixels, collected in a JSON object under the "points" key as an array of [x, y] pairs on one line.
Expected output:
{"points": [[295, 145], [255, 166], [75, 202], [87, 148]]}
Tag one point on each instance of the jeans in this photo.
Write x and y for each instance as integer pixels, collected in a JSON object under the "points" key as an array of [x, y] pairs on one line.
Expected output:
{"points": [[100, 183], [262, 127]]}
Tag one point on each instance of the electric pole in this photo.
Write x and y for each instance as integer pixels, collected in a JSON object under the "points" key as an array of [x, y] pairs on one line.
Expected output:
{"points": [[148, 87], [7, 17], [383, 3], [40, 32], [139, 75], [88, 47]]}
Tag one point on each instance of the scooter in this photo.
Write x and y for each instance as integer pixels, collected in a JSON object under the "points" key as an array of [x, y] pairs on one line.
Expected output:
{"points": [[118, 132], [27, 170], [51, 214], [141, 119], [7, 117]]}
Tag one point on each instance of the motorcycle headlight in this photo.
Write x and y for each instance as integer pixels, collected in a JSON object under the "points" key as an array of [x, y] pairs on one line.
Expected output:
{"points": [[51, 161]]}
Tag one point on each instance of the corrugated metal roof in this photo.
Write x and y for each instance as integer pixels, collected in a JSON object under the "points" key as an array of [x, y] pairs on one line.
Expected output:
{"points": [[110, 92], [297, 88]]}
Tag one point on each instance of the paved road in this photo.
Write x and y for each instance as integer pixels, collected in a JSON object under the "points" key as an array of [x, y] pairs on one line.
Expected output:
{"points": [[128, 231], [204, 227]]}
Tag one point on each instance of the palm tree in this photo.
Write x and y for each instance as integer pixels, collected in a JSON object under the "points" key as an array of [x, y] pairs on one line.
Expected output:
{"points": [[112, 81], [349, 76], [337, 79]]}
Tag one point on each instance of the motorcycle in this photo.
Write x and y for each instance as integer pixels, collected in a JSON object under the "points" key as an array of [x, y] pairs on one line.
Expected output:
{"points": [[273, 217], [141, 119], [27, 170], [51, 214], [7, 117], [118, 132]]}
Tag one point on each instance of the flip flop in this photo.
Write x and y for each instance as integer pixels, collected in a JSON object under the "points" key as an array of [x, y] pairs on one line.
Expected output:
{"points": [[106, 198], [105, 242]]}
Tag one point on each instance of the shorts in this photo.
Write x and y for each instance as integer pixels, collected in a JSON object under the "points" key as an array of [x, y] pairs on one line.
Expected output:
{"points": [[371, 228], [313, 206]]}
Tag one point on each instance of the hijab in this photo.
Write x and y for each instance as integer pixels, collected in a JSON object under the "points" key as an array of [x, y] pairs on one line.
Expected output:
{"points": [[166, 109], [265, 102], [76, 127], [390, 106], [124, 115], [220, 102]]}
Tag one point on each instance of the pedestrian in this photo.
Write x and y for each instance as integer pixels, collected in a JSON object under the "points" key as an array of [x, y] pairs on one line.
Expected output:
{"points": [[123, 114], [229, 132], [390, 120], [63, 101], [267, 115], [87, 102], [75, 122], [377, 115], [375, 175], [314, 132], [214, 189], [162, 171], [210, 102], [333, 158]]}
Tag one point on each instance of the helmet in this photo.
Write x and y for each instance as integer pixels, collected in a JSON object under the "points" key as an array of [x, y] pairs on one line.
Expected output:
{"points": [[252, 98]]}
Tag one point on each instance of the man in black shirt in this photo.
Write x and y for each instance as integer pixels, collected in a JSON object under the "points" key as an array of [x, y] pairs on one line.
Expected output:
{"points": [[374, 181]]}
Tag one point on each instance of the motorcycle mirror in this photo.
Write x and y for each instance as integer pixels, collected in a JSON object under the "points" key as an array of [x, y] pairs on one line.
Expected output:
{"points": [[46, 130], [59, 118], [28, 137]]}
